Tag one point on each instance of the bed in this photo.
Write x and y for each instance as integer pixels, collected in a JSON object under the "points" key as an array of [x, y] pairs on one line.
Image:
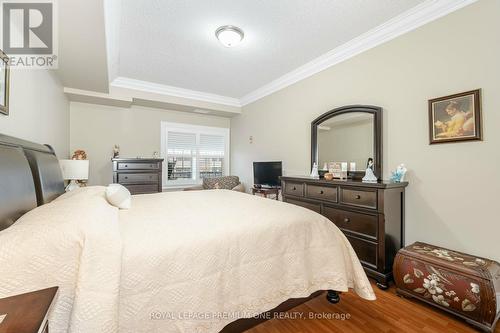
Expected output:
{"points": [[197, 261]]}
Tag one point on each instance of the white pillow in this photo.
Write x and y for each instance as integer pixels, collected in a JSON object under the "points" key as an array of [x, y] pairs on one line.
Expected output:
{"points": [[118, 196]]}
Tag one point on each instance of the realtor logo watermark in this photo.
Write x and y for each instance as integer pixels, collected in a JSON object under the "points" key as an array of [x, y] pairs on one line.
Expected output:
{"points": [[29, 33]]}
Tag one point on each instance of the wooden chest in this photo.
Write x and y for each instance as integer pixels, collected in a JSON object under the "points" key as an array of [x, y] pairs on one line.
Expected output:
{"points": [[139, 175], [461, 284]]}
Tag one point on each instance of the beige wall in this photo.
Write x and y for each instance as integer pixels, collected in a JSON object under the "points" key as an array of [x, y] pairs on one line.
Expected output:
{"points": [[39, 111], [453, 192], [96, 129]]}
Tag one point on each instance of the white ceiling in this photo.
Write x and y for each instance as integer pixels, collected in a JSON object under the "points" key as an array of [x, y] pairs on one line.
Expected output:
{"points": [[163, 53], [172, 42]]}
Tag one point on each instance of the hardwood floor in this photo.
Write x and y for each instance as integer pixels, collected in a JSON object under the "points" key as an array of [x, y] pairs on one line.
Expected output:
{"points": [[389, 314]]}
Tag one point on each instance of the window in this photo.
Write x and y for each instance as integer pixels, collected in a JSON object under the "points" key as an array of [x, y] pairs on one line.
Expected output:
{"points": [[193, 152]]}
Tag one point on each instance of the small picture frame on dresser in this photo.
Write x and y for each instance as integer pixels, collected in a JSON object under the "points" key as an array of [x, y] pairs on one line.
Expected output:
{"points": [[338, 169]]}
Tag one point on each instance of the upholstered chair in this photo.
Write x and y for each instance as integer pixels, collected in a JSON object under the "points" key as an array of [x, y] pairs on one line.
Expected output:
{"points": [[223, 183]]}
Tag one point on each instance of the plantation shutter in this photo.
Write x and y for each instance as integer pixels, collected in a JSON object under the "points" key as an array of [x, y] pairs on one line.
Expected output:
{"points": [[181, 155], [211, 150]]}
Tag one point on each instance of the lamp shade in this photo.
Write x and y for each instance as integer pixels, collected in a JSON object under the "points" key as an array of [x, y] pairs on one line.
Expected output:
{"points": [[75, 169]]}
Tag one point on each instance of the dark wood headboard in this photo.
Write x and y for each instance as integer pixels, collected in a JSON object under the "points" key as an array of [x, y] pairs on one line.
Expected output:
{"points": [[29, 177]]}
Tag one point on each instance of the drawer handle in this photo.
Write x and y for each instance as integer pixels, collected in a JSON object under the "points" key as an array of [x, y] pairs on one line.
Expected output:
{"points": [[358, 196], [347, 220], [151, 165], [294, 188], [321, 192], [126, 165], [126, 177]]}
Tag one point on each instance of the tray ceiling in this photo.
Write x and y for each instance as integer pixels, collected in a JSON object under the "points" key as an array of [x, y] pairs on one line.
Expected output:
{"points": [[164, 53], [172, 42]]}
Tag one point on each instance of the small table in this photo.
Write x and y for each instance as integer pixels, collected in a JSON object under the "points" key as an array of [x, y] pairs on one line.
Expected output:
{"points": [[27, 313], [265, 191]]}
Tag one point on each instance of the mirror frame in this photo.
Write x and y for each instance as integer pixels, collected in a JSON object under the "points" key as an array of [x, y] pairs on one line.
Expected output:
{"points": [[377, 135]]}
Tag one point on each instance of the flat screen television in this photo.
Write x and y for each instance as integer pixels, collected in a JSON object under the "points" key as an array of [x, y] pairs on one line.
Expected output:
{"points": [[267, 174]]}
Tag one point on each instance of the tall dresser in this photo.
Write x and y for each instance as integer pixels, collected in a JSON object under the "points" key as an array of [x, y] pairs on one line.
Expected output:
{"points": [[371, 215], [139, 175]]}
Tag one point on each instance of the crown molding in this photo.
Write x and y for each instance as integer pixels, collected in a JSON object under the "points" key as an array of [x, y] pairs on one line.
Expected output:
{"points": [[150, 87], [416, 17], [93, 97], [412, 19]]}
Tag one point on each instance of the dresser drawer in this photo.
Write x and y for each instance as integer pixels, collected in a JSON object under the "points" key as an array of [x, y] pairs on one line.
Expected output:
{"points": [[142, 189], [366, 251], [359, 198], [138, 166], [321, 192], [130, 178], [296, 189], [314, 207], [358, 223]]}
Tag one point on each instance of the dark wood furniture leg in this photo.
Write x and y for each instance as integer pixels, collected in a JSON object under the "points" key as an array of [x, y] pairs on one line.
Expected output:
{"points": [[333, 296], [384, 285]]}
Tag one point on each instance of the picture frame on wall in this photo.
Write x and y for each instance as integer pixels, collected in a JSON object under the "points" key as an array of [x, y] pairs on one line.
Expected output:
{"points": [[4, 83], [455, 118]]}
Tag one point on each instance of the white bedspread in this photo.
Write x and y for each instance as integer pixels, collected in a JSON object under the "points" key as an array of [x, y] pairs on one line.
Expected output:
{"points": [[175, 262], [73, 243], [223, 254]]}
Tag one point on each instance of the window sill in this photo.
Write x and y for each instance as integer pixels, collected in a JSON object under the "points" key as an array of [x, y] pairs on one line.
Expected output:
{"points": [[174, 188]]}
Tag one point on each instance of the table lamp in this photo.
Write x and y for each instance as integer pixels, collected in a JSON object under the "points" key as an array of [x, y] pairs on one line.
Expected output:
{"points": [[74, 170]]}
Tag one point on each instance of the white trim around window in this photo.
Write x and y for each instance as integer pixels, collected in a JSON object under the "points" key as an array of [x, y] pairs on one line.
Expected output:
{"points": [[198, 132]]}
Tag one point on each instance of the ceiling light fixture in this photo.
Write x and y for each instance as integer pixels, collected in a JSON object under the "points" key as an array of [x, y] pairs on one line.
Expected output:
{"points": [[229, 35]]}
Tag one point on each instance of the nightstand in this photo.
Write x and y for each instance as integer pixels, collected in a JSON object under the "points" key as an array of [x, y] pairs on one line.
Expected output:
{"points": [[27, 313]]}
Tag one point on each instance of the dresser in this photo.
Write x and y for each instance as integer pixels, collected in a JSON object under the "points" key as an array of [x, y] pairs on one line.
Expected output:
{"points": [[138, 175], [371, 215]]}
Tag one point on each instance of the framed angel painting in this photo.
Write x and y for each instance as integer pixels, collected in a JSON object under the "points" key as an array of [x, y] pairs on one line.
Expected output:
{"points": [[4, 83], [455, 118]]}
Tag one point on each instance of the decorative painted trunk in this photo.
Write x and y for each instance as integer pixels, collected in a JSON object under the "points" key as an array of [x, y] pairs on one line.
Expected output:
{"points": [[464, 285]]}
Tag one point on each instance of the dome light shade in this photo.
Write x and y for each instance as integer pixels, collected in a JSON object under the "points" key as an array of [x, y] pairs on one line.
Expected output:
{"points": [[229, 35]]}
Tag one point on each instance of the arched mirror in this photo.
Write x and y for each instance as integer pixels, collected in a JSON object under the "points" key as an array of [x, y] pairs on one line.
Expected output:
{"points": [[351, 134]]}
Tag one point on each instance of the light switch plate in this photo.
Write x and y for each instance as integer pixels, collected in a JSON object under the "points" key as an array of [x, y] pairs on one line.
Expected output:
{"points": [[2, 317]]}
